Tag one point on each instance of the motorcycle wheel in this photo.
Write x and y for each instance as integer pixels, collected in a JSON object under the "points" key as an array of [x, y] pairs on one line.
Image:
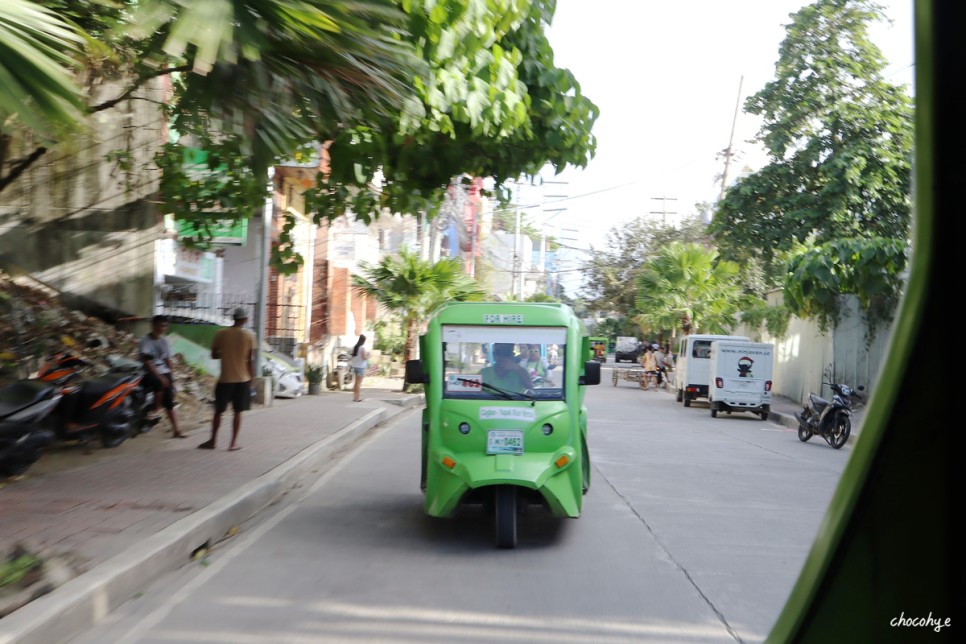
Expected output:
{"points": [[15, 468], [804, 433], [117, 431], [841, 431]]}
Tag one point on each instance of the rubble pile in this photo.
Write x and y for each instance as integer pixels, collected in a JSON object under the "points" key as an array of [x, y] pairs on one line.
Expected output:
{"points": [[34, 326]]}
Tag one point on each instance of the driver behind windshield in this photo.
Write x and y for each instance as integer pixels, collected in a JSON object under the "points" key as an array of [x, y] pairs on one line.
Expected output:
{"points": [[505, 372]]}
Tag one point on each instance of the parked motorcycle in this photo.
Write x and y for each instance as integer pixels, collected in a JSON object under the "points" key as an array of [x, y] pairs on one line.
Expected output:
{"points": [[105, 407], [23, 407], [142, 398], [832, 420], [342, 377]]}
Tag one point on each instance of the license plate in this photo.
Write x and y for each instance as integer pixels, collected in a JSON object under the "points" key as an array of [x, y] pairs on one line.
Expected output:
{"points": [[504, 441]]}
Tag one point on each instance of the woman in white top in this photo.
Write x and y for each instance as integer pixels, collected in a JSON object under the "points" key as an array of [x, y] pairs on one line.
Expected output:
{"points": [[360, 362]]}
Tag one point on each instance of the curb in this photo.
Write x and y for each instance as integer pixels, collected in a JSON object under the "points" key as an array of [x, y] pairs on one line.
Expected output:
{"points": [[87, 599]]}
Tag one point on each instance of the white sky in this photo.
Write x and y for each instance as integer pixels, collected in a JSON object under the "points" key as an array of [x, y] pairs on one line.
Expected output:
{"points": [[665, 76]]}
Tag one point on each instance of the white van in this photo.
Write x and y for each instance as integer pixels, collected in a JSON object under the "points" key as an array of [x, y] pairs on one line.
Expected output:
{"points": [[693, 368], [740, 377]]}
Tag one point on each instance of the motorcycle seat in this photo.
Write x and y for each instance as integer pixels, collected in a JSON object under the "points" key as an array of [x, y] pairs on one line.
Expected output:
{"points": [[817, 401], [23, 394], [97, 387]]}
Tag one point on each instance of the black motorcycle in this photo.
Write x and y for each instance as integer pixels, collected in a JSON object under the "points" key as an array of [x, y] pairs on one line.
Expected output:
{"points": [[24, 406], [832, 420]]}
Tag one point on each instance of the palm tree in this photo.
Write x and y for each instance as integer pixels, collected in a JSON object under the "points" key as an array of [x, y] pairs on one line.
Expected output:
{"points": [[413, 287], [274, 74], [35, 53], [688, 286], [284, 72]]}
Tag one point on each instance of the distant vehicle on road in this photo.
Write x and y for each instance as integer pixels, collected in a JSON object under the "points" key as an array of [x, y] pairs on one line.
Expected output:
{"points": [[694, 365], [627, 348], [740, 377]]}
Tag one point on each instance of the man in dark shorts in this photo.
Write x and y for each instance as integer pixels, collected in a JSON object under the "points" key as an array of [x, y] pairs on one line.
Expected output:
{"points": [[234, 346]]}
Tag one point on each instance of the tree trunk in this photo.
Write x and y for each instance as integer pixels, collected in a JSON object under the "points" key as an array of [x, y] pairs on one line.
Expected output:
{"points": [[409, 353]]}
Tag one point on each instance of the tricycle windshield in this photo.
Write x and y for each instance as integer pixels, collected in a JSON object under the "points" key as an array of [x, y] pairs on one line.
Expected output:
{"points": [[503, 362]]}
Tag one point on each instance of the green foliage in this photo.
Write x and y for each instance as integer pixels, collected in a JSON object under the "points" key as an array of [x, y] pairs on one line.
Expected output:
{"points": [[391, 337], [818, 276], [412, 287], [616, 327], [314, 373], [37, 90], [15, 569], [758, 313], [490, 104], [612, 271], [541, 297], [687, 287], [223, 186], [839, 138]]}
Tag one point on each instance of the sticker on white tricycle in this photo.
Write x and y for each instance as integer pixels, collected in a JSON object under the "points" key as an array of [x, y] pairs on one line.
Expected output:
{"points": [[463, 382], [527, 414]]}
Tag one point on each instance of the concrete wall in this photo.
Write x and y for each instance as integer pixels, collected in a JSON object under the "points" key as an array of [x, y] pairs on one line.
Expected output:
{"points": [[86, 224], [805, 356]]}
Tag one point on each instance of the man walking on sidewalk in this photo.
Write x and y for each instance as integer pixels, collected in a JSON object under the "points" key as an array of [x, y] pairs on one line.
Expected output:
{"points": [[234, 346]]}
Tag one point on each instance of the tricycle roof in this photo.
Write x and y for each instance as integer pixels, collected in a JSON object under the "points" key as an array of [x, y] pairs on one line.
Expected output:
{"points": [[506, 313]]}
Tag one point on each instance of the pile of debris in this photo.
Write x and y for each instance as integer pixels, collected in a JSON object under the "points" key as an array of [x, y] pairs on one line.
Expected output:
{"points": [[34, 326]]}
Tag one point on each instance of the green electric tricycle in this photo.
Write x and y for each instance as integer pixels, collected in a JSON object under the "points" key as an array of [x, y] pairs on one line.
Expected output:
{"points": [[504, 426]]}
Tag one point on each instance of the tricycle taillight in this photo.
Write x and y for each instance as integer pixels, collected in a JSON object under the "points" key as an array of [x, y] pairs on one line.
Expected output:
{"points": [[768, 385], [719, 383]]}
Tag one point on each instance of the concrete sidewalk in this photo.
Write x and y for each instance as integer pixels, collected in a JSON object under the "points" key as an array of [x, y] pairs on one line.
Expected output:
{"points": [[132, 517]]}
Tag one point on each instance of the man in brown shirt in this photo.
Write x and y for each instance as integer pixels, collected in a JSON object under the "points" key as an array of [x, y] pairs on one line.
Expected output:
{"points": [[234, 346]]}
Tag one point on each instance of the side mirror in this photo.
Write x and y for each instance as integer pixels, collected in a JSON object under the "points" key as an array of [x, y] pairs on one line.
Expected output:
{"points": [[591, 373], [414, 372]]}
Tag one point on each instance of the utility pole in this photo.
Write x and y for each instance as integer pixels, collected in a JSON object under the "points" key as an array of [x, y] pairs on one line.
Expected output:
{"points": [[728, 153], [265, 250], [543, 241], [663, 211]]}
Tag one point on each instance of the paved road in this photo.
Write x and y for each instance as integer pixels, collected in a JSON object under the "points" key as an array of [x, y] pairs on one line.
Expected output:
{"points": [[694, 530]]}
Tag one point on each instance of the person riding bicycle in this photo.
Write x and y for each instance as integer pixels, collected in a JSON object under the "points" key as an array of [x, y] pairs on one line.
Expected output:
{"points": [[649, 362]]}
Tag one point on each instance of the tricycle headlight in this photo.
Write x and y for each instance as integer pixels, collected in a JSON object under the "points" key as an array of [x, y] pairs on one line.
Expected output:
{"points": [[547, 429], [464, 428]]}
